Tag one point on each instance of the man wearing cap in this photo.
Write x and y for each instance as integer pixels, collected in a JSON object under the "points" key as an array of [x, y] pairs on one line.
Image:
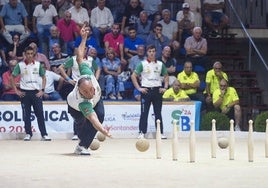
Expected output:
{"points": [[186, 22]]}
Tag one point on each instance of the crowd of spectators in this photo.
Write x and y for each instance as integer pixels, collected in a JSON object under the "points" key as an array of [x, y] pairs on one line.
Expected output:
{"points": [[119, 32]]}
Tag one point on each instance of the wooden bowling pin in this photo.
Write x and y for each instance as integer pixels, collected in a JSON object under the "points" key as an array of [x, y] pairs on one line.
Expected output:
{"points": [[175, 142], [213, 139], [158, 140], [192, 142], [231, 140], [250, 141]]}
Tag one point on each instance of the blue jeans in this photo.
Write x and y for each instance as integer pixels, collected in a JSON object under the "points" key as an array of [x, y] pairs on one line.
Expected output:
{"points": [[42, 35], [114, 85]]}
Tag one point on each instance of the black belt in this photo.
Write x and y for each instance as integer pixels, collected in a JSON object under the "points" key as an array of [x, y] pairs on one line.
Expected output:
{"points": [[151, 88]]}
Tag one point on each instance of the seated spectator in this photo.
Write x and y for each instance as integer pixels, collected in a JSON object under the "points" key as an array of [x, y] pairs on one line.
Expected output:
{"points": [[62, 6], [101, 21], [190, 83], [115, 40], [52, 94], [79, 14], [16, 49], [214, 17], [133, 63], [57, 59], [143, 26], [43, 16], [131, 15], [9, 93], [54, 38], [39, 56], [213, 78], [112, 69], [196, 49], [186, 22], [132, 42], [170, 64], [68, 31], [170, 27], [226, 100], [195, 7], [152, 7], [158, 39], [90, 43], [175, 93], [117, 9], [13, 18]]}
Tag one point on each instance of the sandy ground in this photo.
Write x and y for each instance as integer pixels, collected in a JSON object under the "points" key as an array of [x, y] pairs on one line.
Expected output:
{"points": [[118, 164]]}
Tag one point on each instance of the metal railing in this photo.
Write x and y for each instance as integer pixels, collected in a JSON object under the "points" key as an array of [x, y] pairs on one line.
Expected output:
{"points": [[251, 42]]}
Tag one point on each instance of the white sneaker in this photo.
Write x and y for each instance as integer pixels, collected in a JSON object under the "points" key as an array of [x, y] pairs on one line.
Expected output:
{"points": [[141, 136], [27, 137], [163, 136], [81, 150], [75, 137], [237, 128], [46, 138]]}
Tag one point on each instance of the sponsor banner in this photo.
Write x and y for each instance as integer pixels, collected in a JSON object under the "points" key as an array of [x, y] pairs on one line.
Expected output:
{"points": [[123, 117]]}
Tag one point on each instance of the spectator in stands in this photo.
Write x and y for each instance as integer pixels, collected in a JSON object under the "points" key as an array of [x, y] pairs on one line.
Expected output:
{"points": [[170, 64], [196, 49], [214, 17], [132, 42], [133, 63], [195, 7], [13, 18], [3, 61], [54, 38], [213, 78], [190, 83], [39, 56], [152, 7], [175, 93], [62, 6], [79, 14], [131, 15], [186, 22], [226, 100], [170, 27], [92, 52], [52, 94], [117, 8], [115, 40], [158, 39], [143, 26], [9, 93], [112, 69], [43, 16], [16, 49], [101, 21], [151, 72], [68, 31], [58, 58]]}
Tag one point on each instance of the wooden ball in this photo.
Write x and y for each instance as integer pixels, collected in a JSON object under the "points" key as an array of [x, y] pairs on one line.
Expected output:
{"points": [[223, 142], [101, 137], [95, 144], [142, 145]]}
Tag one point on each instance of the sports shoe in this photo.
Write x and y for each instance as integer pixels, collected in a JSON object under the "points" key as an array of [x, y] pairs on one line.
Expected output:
{"points": [[119, 97], [237, 128], [163, 136], [141, 136], [111, 96], [27, 137], [81, 150], [75, 137], [46, 138]]}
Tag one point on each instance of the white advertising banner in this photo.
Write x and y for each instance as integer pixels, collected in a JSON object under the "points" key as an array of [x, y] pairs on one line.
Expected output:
{"points": [[123, 117]]}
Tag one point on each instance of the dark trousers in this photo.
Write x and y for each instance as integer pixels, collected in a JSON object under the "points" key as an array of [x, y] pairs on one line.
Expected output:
{"points": [[85, 130], [27, 102], [151, 97]]}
